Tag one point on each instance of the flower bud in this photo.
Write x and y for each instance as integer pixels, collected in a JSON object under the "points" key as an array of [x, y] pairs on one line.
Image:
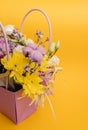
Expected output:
{"points": [[57, 45], [52, 47]]}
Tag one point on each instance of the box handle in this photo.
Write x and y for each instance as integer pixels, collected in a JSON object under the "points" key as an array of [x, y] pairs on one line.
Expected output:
{"points": [[47, 18]]}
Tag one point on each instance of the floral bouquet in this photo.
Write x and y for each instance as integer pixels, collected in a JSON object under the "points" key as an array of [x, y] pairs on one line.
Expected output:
{"points": [[27, 71]]}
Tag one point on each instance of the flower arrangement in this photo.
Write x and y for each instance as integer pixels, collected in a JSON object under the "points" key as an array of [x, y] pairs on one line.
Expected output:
{"points": [[29, 65], [26, 64]]}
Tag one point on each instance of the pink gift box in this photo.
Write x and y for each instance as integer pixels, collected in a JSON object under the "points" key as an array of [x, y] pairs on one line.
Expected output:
{"points": [[15, 108]]}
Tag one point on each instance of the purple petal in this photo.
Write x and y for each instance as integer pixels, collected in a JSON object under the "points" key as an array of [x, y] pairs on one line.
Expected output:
{"points": [[41, 50], [27, 51], [32, 46], [2, 47], [36, 56], [46, 76]]}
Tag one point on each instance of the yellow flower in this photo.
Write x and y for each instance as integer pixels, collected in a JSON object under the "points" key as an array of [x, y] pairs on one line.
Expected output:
{"points": [[44, 64], [17, 62], [16, 66], [17, 77], [32, 85]]}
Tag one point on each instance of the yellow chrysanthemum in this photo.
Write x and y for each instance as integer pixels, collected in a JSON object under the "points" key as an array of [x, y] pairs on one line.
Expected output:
{"points": [[44, 64], [31, 83], [17, 77], [32, 86], [17, 62]]}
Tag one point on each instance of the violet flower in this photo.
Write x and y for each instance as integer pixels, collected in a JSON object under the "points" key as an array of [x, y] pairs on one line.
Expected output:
{"points": [[2, 48], [11, 46], [36, 56], [46, 76], [34, 52]]}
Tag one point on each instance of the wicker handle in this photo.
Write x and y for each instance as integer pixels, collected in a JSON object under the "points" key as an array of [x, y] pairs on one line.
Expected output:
{"points": [[47, 18], [6, 42]]}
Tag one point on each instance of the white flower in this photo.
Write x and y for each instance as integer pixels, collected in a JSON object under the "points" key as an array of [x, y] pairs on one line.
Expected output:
{"points": [[29, 41], [54, 61], [52, 47], [9, 29], [18, 48]]}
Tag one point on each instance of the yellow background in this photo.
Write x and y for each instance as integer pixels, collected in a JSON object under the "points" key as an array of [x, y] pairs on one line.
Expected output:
{"points": [[69, 19]]}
